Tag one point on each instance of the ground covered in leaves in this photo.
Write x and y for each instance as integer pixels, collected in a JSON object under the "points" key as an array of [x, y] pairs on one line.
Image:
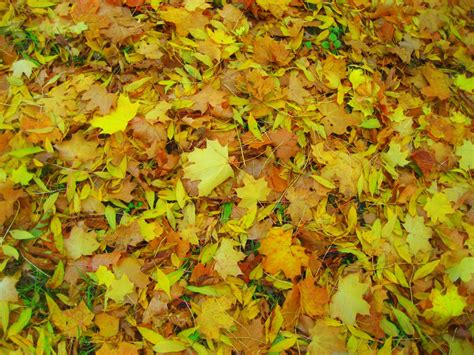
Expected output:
{"points": [[236, 177]]}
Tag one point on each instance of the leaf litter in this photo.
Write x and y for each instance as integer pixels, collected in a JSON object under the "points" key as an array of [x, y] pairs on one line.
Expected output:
{"points": [[236, 177]]}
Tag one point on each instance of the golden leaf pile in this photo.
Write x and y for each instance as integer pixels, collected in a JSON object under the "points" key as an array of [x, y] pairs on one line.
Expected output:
{"points": [[236, 177]]}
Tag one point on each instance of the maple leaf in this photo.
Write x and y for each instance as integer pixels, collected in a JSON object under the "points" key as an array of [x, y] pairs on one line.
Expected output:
{"points": [[314, 299], [437, 207], [463, 270], [418, 234], [117, 121], [466, 152], [21, 67], [184, 20], [254, 190], [285, 143], [336, 120], [249, 337], [98, 97], [438, 83], [213, 317], [77, 148], [227, 259], [326, 339], [108, 324], [80, 243], [70, 321], [395, 156], [8, 197], [117, 289], [280, 254], [445, 307], [348, 300], [131, 267], [9, 292], [296, 90], [276, 7], [210, 166], [208, 96], [464, 83], [268, 51]]}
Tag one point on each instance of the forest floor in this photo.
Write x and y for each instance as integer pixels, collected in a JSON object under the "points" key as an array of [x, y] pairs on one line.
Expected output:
{"points": [[240, 176]]}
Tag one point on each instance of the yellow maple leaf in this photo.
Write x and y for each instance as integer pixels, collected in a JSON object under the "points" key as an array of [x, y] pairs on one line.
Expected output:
{"points": [[210, 165], [227, 258], [280, 254], [117, 289], [276, 7], [445, 307], [80, 243], [437, 207], [71, 321], [117, 121], [348, 301], [253, 191], [213, 316]]}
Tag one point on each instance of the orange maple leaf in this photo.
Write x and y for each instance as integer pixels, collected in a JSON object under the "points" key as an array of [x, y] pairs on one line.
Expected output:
{"points": [[280, 254]]}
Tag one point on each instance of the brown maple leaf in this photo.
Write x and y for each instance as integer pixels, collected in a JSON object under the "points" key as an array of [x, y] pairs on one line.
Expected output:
{"points": [[98, 97], [268, 51], [336, 119]]}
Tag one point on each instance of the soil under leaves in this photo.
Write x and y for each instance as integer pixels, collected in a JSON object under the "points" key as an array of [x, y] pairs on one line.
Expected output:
{"points": [[252, 176]]}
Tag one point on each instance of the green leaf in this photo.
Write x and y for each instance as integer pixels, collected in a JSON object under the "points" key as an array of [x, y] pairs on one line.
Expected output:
{"points": [[21, 235], [23, 152], [370, 123], [150, 335], [404, 321], [463, 270], [425, 270], [204, 290], [169, 346], [21, 323], [282, 345], [110, 215]]}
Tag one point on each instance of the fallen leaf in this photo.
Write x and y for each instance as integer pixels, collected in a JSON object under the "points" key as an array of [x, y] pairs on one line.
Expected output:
{"points": [[210, 166], [80, 242], [213, 317], [253, 191], [348, 300], [281, 255], [118, 120], [227, 259]]}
